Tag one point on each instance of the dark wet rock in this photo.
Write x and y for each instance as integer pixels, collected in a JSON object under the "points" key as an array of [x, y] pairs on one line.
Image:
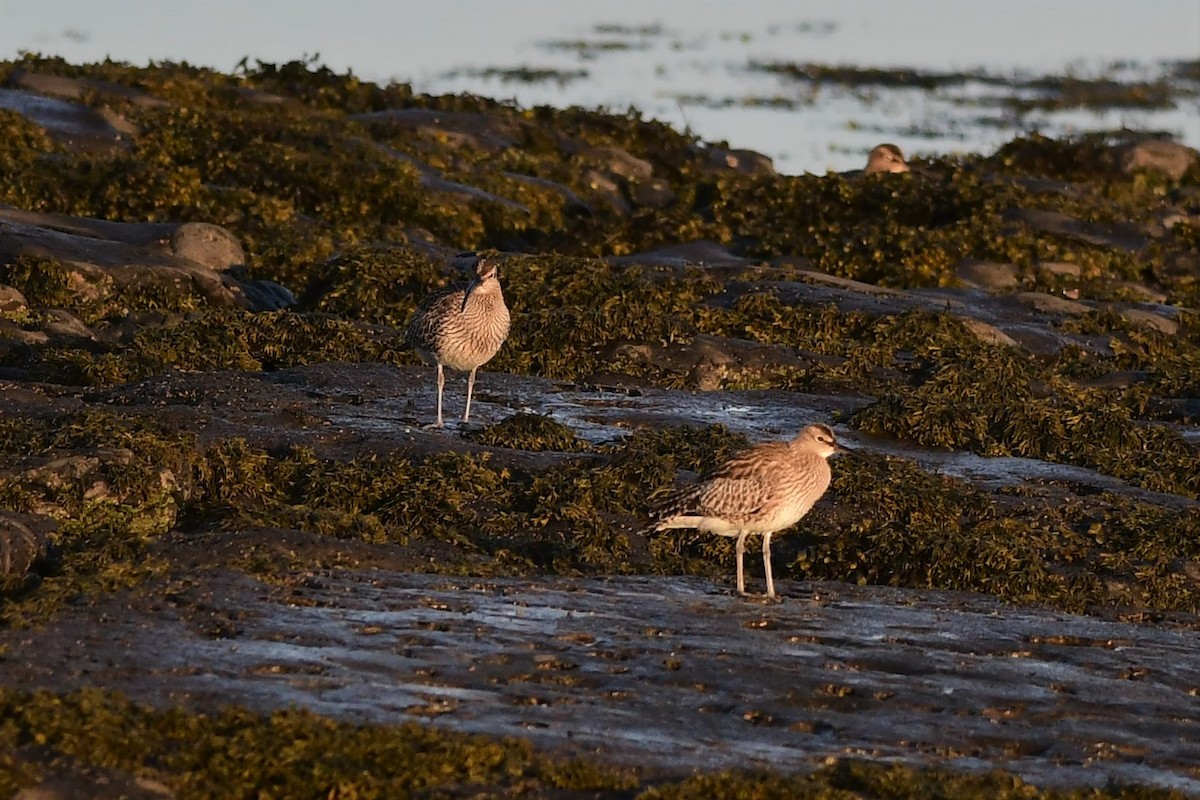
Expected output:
{"points": [[141, 234], [620, 162], [486, 132], [266, 295], [572, 201], [69, 88], [747, 162], [97, 264], [24, 541], [987, 274], [1185, 411], [1061, 269], [615, 170], [1051, 304], [63, 324], [12, 333], [1170, 158], [72, 125], [654, 193], [1149, 319], [1123, 236], [607, 190], [12, 301], [1121, 379], [710, 362], [988, 334], [700, 253]]}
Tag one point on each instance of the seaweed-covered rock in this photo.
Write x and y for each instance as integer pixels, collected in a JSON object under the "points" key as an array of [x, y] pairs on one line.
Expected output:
{"points": [[68, 485]]}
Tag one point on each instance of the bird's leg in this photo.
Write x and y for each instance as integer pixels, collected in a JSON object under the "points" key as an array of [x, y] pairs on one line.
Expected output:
{"points": [[470, 388], [441, 382], [741, 551], [767, 564]]}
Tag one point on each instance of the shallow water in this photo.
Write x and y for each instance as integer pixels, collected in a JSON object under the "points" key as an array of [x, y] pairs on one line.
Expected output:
{"points": [[684, 63]]}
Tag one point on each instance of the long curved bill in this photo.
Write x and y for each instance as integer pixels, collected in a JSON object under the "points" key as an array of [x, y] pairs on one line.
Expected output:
{"points": [[472, 286]]}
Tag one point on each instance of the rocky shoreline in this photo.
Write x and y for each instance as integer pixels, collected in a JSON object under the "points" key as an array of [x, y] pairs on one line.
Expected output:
{"points": [[213, 438]]}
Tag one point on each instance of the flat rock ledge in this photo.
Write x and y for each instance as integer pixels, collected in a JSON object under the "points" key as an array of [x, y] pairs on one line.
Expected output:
{"points": [[671, 673]]}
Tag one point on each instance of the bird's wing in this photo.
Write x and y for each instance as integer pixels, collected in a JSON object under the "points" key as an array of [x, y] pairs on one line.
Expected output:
{"points": [[430, 314], [734, 499]]}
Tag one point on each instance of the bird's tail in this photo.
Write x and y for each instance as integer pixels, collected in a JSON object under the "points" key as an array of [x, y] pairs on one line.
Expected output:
{"points": [[676, 510]]}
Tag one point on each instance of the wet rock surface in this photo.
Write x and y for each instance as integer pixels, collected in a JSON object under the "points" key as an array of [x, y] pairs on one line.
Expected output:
{"points": [[667, 672]]}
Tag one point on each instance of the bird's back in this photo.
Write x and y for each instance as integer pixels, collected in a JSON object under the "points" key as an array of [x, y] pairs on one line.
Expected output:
{"points": [[769, 486]]}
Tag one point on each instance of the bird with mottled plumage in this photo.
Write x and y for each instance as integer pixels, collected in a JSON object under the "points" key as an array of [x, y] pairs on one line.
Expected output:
{"points": [[886, 158], [764, 489], [461, 327]]}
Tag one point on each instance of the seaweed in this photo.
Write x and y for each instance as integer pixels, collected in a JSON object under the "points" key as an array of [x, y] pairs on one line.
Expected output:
{"points": [[99, 736]]}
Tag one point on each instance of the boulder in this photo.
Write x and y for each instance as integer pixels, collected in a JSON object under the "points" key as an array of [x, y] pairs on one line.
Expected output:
{"points": [[207, 245], [24, 541], [12, 301], [747, 162], [1160, 155], [987, 274]]}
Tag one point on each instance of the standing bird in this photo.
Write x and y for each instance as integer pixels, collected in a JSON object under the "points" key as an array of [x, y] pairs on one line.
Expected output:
{"points": [[461, 327], [764, 489], [886, 158]]}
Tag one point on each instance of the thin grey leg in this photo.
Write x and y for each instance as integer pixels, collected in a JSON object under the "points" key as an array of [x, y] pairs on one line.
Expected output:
{"points": [[767, 564], [441, 381], [741, 551], [470, 388]]}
